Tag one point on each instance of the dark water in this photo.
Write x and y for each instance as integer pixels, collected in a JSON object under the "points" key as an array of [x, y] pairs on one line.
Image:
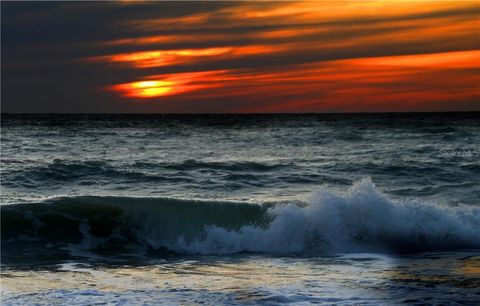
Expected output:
{"points": [[81, 193]]}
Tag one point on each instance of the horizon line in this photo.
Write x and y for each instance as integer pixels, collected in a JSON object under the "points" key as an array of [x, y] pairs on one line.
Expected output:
{"points": [[240, 113]]}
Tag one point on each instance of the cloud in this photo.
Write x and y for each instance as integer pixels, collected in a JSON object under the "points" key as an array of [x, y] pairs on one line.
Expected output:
{"points": [[253, 56]]}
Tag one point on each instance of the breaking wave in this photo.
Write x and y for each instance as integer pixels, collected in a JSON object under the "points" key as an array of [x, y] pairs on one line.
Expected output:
{"points": [[361, 219]]}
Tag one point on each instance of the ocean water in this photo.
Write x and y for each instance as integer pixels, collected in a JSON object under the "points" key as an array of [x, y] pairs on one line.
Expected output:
{"points": [[241, 209]]}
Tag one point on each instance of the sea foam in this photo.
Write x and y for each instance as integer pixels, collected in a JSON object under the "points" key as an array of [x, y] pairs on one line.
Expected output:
{"points": [[360, 220]]}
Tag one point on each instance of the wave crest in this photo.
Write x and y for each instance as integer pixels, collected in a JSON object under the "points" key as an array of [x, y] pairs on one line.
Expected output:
{"points": [[361, 219]]}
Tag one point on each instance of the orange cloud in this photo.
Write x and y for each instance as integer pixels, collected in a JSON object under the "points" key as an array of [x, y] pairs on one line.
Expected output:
{"points": [[146, 59], [394, 83], [158, 58], [315, 56], [444, 60]]}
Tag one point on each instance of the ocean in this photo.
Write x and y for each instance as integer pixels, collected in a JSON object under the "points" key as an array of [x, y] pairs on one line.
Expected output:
{"points": [[220, 209]]}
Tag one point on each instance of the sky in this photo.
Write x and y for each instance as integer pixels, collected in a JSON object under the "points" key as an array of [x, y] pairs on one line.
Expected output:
{"points": [[240, 57]]}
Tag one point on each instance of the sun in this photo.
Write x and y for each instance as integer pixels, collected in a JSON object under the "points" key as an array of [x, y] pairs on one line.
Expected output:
{"points": [[146, 89]]}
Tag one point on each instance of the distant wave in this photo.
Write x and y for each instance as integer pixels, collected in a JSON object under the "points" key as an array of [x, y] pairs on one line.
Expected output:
{"points": [[192, 164], [359, 220], [59, 170], [63, 170]]}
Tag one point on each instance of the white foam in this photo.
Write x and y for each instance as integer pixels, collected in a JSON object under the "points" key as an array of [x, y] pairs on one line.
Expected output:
{"points": [[361, 220]]}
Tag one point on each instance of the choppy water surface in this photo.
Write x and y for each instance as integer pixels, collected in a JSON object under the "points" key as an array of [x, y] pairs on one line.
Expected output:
{"points": [[240, 209]]}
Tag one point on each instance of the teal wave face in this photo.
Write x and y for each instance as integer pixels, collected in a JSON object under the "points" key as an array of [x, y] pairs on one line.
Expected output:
{"points": [[115, 225]]}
